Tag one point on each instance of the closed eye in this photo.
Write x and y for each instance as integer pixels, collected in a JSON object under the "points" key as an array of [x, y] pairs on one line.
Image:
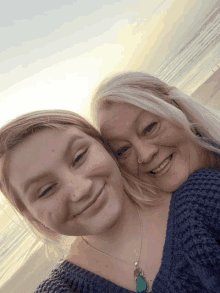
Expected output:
{"points": [[79, 157], [121, 152], [46, 190], [149, 128]]}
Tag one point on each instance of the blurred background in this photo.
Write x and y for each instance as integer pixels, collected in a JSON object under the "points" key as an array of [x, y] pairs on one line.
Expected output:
{"points": [[53, 54]]}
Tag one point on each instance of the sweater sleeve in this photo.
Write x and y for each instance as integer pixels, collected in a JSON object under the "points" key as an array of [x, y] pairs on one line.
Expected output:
{"points": [[203, 189], [60, 280], [198, 225], [56, 285]]}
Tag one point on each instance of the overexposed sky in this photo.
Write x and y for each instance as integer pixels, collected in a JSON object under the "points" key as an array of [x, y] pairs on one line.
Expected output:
{"points": [[54, 53], [46, 59]]}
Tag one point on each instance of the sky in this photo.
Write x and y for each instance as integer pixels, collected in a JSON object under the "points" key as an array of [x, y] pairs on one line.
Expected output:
{"points": [[53, 54]]}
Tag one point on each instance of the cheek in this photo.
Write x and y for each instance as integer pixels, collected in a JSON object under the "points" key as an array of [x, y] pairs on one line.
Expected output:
{"points": [[38, 212], [173, 137], [43, 211], [100, 161]]}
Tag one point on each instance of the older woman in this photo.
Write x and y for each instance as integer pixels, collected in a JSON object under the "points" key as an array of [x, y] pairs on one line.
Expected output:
{"points": [[156, 132], [57, 173]]}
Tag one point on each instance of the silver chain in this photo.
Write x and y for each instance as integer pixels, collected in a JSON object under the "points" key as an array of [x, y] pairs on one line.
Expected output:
{"points": [[119, 258]]}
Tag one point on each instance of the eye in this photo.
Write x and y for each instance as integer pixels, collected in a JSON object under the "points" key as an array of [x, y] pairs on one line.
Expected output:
{"points": [[122, 151], [149, 128], [79, 158], [46, 190]]}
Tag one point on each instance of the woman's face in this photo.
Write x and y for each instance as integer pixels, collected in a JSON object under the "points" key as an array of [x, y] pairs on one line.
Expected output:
{"points": [[166, 153], [67, 181]]}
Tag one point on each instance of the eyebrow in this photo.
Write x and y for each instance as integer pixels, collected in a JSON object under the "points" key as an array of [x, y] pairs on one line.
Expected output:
{"points": [[44, 175]]}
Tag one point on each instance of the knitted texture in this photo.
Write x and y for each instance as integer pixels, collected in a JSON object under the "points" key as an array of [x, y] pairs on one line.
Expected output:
{"points": [[191, 254]]}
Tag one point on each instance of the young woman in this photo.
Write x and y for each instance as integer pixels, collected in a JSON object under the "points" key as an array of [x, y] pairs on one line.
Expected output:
{"points": [[157, 133], [57, 173]]}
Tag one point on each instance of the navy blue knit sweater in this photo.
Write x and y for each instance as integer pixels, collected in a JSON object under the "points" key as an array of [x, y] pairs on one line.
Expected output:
{"points": [[191, 255]]}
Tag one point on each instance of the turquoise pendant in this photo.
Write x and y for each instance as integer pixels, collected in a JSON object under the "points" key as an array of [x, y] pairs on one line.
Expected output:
{"points": [[141, 284]]}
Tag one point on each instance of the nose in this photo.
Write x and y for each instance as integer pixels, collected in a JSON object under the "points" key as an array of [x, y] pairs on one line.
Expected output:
{"points": [[145, 151], [78, 188]]}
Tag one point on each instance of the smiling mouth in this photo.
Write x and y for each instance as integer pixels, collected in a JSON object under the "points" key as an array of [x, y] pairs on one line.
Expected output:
{"points": [[92, 201], [162, 166]]}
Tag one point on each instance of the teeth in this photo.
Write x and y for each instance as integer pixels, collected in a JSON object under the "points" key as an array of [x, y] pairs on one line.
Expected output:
{"points": [[161, 166]]}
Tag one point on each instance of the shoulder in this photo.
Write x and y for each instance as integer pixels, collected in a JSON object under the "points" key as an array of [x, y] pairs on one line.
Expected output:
{"points": [[205, 174], [196, 209], [198, 199], [201, 190], [205, 182], [59, 280]]}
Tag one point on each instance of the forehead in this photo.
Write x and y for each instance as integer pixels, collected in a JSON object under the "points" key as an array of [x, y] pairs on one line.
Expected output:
{"points": [[47, 139], [121, 119], [39, 151]]}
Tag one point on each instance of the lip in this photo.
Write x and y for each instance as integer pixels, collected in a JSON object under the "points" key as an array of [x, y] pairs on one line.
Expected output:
{"points": [[90, 205], [165, 169]]}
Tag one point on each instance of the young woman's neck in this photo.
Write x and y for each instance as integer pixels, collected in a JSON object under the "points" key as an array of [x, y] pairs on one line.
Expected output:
{"points": [[127, 227]]}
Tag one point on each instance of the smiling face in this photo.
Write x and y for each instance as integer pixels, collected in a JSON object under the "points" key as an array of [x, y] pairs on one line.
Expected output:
{"points": [[167, 155], [67, 181]]}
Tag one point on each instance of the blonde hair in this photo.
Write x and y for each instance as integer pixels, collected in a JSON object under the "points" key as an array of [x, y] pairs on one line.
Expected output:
{"points": [[15, 132], [201, 123]]}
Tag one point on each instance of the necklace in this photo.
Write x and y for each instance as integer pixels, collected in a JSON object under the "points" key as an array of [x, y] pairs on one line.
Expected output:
{"points": [[141, 283]]}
